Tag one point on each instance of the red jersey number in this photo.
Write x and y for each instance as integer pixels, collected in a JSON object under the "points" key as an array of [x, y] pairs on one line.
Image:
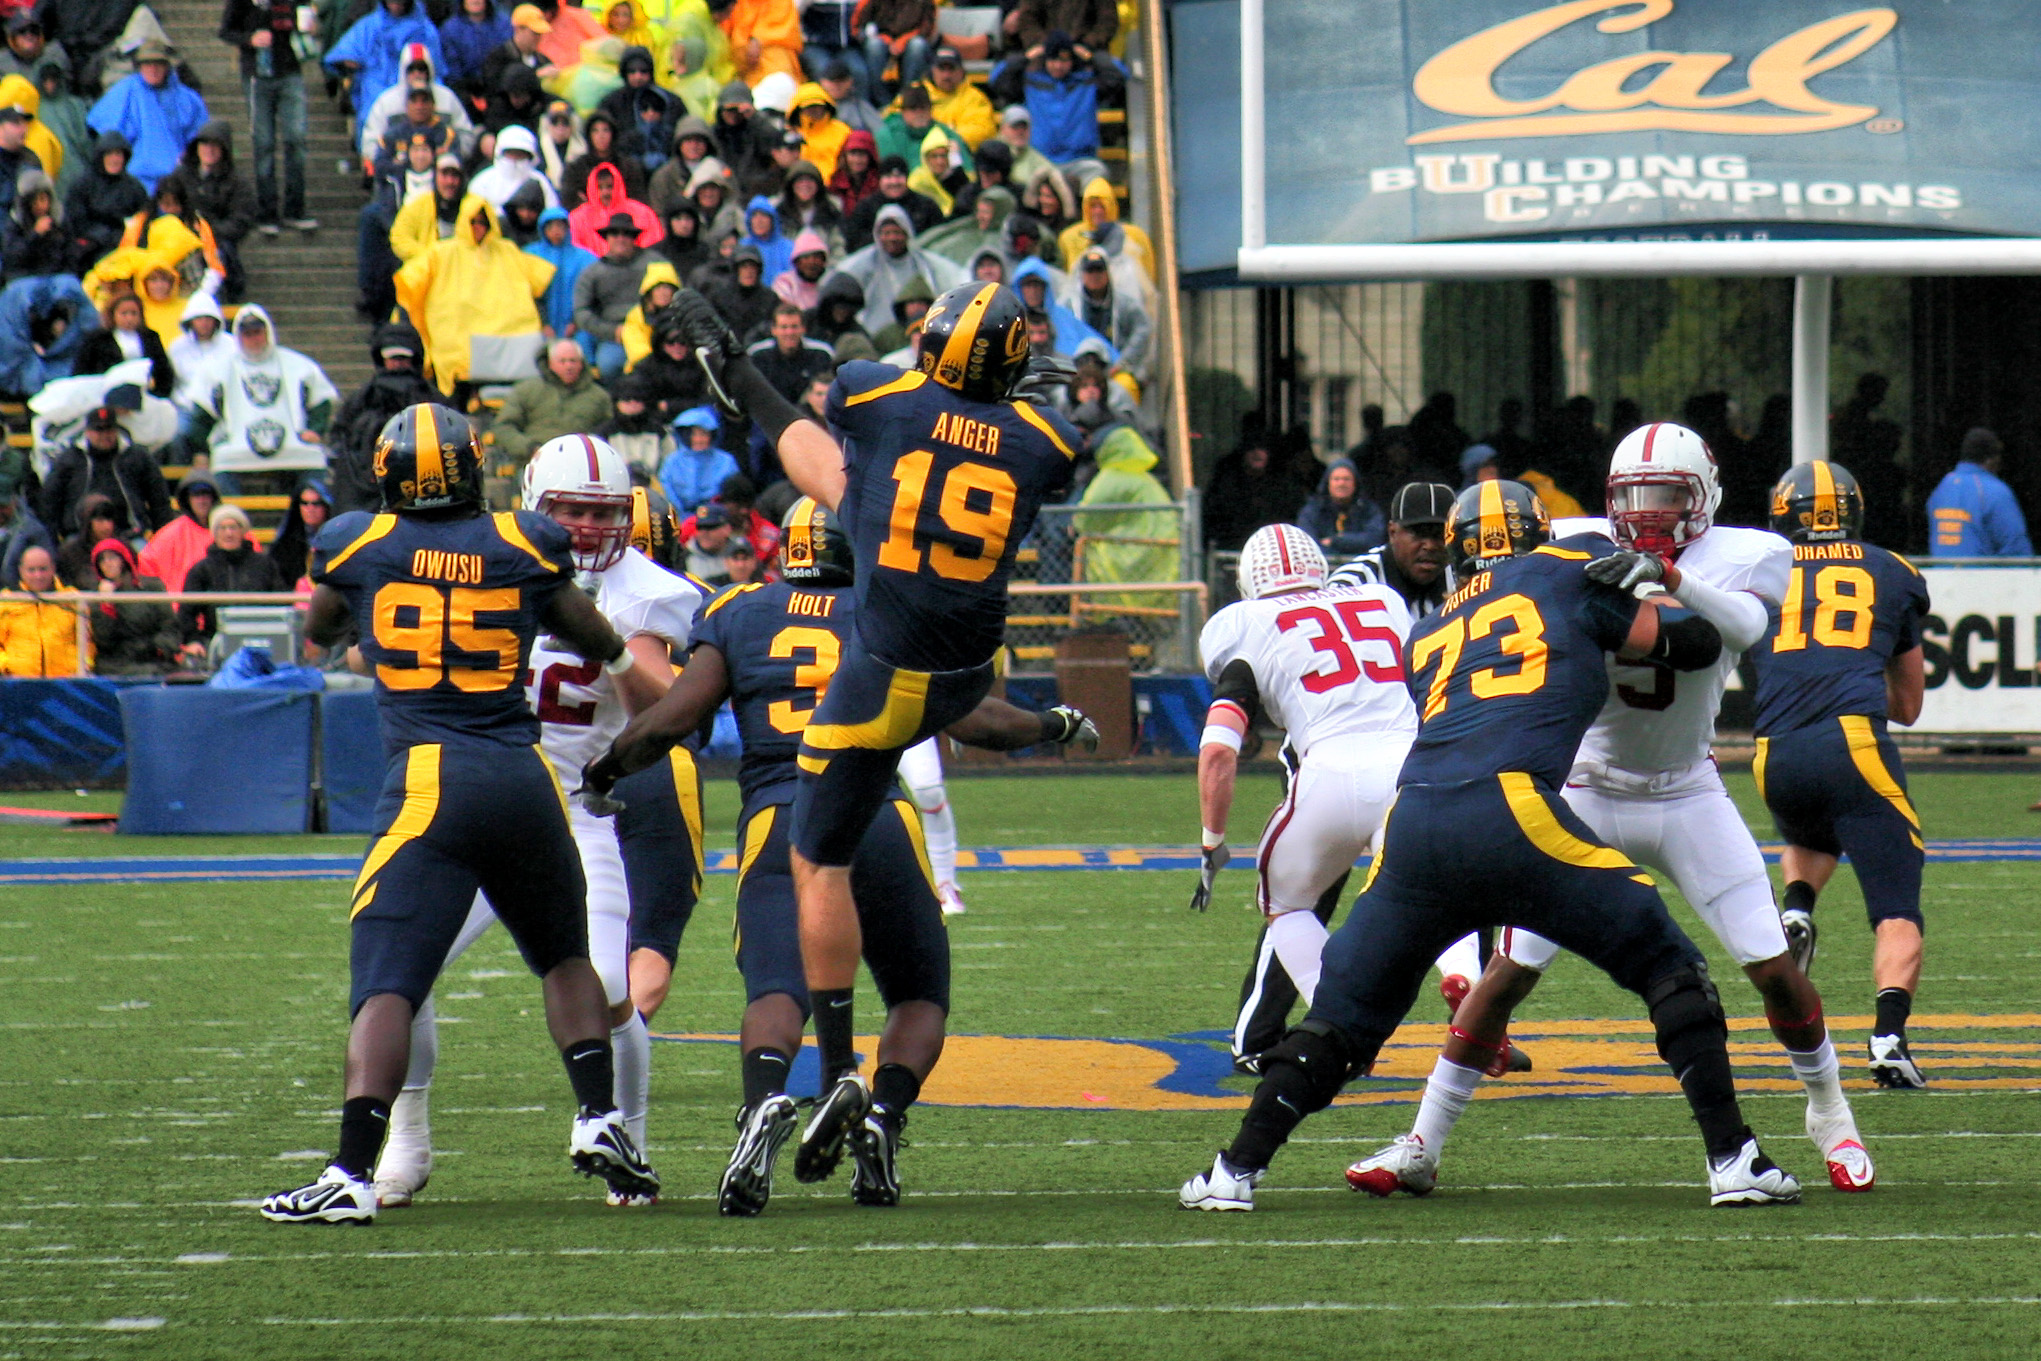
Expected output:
{"points": [[551, 710], [1332, 636]]}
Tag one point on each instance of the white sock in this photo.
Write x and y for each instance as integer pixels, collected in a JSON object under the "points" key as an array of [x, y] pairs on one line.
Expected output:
{"points": [[424, 1051], [410, 1119], [1446, 1094], [1821, 1074], [631, 1051], [1462, 957], [939, 832], [1299, 940]]}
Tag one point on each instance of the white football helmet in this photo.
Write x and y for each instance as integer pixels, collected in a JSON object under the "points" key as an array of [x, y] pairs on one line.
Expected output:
{"points": [[1279, 558], [1663, 488], [586, 472]]}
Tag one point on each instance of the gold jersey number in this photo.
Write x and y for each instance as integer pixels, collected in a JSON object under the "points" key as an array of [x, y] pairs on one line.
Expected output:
{"points": [[424, 621], [989, 522], [1840, 593], [1524, 640], [812, 676]]}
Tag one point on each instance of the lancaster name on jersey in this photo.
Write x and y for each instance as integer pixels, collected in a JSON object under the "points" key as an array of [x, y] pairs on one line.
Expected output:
{"points": [[576, 700], [1327, 664]]}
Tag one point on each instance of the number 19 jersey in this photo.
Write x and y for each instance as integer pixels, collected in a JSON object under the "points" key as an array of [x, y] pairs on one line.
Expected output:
{"points": [[1328, 664], [940, 492]]}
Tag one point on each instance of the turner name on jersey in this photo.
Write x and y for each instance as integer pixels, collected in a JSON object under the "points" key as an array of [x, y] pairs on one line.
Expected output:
{"points": [[576, 701], [1657, 719], [1328, 664]]}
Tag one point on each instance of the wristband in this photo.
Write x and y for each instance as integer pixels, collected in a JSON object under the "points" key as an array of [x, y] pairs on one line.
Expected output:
{"points": [[1212, 838], [619, 664], [1219, 735]]}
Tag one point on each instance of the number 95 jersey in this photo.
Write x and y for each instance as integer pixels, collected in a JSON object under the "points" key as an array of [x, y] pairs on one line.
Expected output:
{"points": [[577, 700], [1327, 664], [940, 492]]}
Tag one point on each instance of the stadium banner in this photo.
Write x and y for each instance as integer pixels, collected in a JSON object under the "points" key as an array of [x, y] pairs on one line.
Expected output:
{"points": [[1980, 648], [1395, 122]]}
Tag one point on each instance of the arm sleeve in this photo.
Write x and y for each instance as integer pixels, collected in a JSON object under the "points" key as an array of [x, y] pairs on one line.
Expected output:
{"points": [[1236, 686], [1686, 641], [1738, 616]]}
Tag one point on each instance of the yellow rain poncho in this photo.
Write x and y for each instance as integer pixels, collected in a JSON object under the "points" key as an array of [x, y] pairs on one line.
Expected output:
{"points": [[460, 291], [821, 130], [1127, 545], [635, 331], [19, 91], [190, 252], [164, 316], [923, 180], [1112, 236]]}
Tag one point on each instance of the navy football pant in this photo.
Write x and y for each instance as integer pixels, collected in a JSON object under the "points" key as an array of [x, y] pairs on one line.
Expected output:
{"points": [[1838, 787], [660, 834]]}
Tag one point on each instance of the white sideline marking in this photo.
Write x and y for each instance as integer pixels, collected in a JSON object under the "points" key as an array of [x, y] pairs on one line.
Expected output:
{"points": [[1081, 1311], [112, 1325]]}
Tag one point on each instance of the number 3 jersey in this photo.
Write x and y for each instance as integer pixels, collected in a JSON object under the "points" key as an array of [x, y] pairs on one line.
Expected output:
{"points": [[1851, 608], [1657, 719], [940, 492], [1327, 665], [576, 700], [447, 610]]}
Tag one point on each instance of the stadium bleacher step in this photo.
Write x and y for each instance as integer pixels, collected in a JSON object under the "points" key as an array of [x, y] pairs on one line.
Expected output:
{"points": [[306, 282]]}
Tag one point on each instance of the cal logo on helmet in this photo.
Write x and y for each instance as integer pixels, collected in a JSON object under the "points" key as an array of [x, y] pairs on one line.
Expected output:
{"points": [[814, 550], [974, 341], [1494, 520], [428, 458], [1817, 502]]}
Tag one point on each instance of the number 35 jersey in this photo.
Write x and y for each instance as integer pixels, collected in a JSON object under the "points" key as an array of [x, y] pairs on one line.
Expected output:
{"points": [[1657, 719], [940, 493], [576, 700], [1327, 665], [447, 610], [1851, 608]]}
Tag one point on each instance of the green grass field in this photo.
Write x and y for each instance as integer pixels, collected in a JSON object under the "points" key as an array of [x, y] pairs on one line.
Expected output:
{"points": [[175, 1054]]}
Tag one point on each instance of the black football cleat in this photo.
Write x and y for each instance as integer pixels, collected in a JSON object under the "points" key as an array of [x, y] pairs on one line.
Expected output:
{"points": [[842, 1108]]}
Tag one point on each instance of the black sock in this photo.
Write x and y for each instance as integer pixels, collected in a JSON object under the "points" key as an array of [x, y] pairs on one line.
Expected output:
{"points": [[765, 1074], [895, 1087], [364, 1120], [591, 1067], [833, 1031], [1799, 894], [1894, 1006], [1711, 1095], [1271, 1117]]}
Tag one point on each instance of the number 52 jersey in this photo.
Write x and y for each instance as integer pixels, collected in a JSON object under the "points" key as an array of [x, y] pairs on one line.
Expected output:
{"points": [[941, 491], [1327, 664]]}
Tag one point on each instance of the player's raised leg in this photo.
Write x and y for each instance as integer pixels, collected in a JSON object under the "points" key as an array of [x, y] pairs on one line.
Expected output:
{"points": [[921, 771]]}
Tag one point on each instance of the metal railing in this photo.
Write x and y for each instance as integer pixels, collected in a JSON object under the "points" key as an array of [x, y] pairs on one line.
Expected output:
{"points": [[1067, 580], [80, 601]]}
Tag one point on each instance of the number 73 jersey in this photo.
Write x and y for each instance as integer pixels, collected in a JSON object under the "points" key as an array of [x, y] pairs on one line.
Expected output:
{"points": [[1327, 664], [940, 492]]}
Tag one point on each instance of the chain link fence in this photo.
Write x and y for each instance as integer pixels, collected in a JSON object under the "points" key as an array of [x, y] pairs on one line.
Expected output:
{"points": [[1088, 551]]}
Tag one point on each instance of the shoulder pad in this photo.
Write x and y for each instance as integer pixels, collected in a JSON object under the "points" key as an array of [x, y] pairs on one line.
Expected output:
{"points": [[1221, 636], [1574, 525]]}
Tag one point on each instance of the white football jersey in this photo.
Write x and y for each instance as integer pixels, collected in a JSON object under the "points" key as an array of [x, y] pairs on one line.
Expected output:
{"points": [[1657, 719], [1328, 663], [577, 701]]}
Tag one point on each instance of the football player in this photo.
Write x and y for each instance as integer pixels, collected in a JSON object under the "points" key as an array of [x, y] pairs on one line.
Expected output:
{"points": [[1844, 660], [448, 600], [936, 474], [773, 651], [1645, 781], [921, 771], [1327, 667], [1508, 676], [584, 486]]}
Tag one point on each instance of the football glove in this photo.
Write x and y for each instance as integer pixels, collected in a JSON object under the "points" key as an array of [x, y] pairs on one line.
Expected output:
{"points": [[598, 778], [1626, 570], [710, 337], [1215, 860], [1064, 725]]}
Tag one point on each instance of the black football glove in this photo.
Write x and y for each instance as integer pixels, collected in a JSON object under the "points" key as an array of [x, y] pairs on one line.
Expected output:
{"points": [[1627, 570], [1064, 725], [1215, 860], [710, 337], [598, 778]]}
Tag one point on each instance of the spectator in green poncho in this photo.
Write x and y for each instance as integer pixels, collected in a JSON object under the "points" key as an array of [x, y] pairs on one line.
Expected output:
{"points": [[1127, 545]]}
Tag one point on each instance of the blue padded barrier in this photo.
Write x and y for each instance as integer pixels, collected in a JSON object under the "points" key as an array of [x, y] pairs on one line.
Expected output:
{"points": [[352, 760], [61, 734], [217, 761]]}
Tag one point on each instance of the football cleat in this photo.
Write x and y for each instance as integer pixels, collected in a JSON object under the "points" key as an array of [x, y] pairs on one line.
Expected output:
{"points": [[1748, 1177], [952, 899], [1800, 936], [1405, 1165], [842, 1108], [763, 1128], [1892, 1065], [1222, 1188], [1247, 1065], [600, 1146], [1849, 1165], [336, 1198], [1454, 987], [874, 1151]]}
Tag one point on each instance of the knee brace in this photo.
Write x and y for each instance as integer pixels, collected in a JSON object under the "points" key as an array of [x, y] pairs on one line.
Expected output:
{"points": [[1687, 1014], [1307, 1067]]}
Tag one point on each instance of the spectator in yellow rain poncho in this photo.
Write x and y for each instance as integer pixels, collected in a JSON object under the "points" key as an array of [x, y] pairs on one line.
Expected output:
{"points": [[473, 296], [1127, 545], [154, 277], [18, 92], [655, 292], [1098, 224]]}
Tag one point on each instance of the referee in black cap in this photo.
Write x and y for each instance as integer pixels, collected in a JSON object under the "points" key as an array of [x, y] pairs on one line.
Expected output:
{"points": [[1413, 562]]}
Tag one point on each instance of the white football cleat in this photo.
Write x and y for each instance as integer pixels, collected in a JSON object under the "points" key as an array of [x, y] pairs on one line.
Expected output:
{"points": [[1405, 1165], [1748, 1177], [1800, 936], [1221, 1188], [1892, 1065], [1849, 1165], [951, 897], [336, 1198], [600, 1146]]}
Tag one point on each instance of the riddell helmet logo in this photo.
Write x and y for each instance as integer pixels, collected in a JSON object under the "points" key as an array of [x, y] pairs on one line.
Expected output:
{"points": [[1607, 97]]}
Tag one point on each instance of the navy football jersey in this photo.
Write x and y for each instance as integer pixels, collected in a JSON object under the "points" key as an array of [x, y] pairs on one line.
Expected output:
{"points": [[1511, 672], [447, 611], [1850, 608], [941, 492], [780, 644]]}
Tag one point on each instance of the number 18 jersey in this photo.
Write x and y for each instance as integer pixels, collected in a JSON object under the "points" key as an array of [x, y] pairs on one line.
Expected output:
{"points": [[941, 491], [1327, 664]]}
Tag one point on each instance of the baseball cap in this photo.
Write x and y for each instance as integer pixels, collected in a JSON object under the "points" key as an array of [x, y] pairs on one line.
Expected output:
{"points": [[449, 161], [102, 418], [531, 17], [1421, 503], [1093, 259], [947, 56], [24, 22], [13, 113], [711, 516], [739, 548], [1016, 114]]}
